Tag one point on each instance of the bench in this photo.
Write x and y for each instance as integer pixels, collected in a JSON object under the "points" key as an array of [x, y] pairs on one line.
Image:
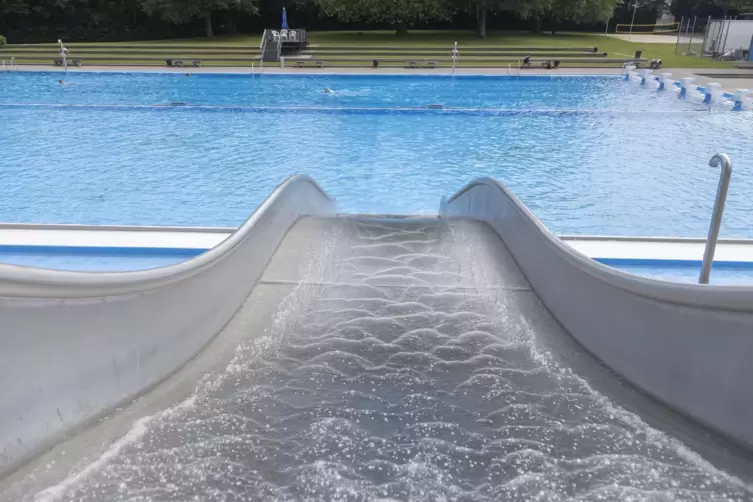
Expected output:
{"points": [[468, 62], [374, 62], [302, 64], [421, 64], [179, 63], [72, 61]]}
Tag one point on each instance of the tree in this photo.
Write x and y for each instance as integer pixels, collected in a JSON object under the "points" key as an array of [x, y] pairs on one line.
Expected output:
{"points": [[483, 7], [714, 8], [583, 11], [183, 11], [398, 13], [8, 7], [578, 11], [555, 11]]}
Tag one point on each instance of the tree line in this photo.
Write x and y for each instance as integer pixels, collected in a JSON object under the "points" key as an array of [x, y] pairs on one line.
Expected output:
{"points": [[93, 20]]}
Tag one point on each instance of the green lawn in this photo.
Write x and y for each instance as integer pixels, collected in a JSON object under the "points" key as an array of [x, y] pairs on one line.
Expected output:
{"points": [[615, 47]]}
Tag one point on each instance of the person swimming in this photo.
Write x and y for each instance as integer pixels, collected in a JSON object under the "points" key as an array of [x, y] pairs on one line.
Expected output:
{"points": [[328, 91]]}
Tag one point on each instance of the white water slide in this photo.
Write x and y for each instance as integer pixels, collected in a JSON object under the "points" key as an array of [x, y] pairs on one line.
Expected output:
{"points": [[319, 356]]}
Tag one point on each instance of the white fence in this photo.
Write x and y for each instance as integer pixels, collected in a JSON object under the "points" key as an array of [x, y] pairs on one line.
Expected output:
{"points": [[724, 35]]}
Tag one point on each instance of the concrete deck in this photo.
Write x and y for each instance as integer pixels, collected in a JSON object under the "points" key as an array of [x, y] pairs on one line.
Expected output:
{"points": [[635, 250], [296, 71], [731, 79], [112, 236]]}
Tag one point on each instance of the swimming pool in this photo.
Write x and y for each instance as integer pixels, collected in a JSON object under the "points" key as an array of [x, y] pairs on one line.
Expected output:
{"points": [[590, 155]]}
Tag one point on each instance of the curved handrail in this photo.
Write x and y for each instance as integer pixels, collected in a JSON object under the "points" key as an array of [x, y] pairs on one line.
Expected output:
{"points": [[720, 159], [29, 282], [730, 298]]}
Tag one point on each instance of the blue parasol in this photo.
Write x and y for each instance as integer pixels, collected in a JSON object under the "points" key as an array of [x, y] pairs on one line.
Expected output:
{"points": [[284, 19]]}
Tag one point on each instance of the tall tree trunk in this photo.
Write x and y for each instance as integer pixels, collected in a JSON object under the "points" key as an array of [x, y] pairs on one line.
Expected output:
{"points": [[230, 24], [481, 21], [537, 24], [401, 28], [208, 24], [554, 26]]}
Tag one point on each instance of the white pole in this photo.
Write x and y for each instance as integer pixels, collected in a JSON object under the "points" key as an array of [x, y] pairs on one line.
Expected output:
{"points": [[64, 55], [729, 25], [635, 9], [606, 31], [691, 33], [454, 56], [679, 33]]}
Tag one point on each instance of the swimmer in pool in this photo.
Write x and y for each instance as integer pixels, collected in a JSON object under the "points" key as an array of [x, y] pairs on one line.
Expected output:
{"points": [[328, 91]]}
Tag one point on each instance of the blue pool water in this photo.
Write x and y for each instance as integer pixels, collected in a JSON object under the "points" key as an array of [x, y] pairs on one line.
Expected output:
{"points": [[589, 155], [306, 90]]}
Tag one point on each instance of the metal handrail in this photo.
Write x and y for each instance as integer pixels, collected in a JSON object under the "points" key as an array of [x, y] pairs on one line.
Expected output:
{"points": [[723, 161], [263, 43]]}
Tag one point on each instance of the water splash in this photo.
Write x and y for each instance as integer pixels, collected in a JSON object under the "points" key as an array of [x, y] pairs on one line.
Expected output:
{"points": [[409, 369]]}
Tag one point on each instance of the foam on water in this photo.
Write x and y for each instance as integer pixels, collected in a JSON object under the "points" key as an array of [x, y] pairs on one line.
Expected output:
{"points": [[410, 369]]}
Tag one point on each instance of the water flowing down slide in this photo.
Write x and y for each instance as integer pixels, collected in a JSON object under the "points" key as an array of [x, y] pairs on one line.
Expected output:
{"points": [[317, 356]]}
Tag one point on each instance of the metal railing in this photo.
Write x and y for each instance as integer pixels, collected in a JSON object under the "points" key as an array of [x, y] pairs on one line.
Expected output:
{"points": [[723, 161], [11, 65], [263, 44]]}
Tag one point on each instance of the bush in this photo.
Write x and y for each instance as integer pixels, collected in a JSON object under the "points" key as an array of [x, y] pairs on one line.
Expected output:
{"points": [[2, 40]]}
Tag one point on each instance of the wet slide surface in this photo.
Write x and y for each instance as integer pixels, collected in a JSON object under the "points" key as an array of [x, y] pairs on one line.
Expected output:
{"points": [[400, 359]]}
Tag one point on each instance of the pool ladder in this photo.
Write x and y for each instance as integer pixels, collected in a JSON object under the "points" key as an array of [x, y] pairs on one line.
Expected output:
{"points": [[719, 160], [10, 66]]}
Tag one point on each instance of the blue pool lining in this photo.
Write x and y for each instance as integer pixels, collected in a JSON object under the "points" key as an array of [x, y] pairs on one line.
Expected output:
{"points": [[348, 110], [666, 263], [192, 252], [99, 250]]}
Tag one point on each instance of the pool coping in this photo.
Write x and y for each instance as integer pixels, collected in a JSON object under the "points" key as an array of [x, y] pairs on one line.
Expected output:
{"points": [[276, 70], [124, 240]]}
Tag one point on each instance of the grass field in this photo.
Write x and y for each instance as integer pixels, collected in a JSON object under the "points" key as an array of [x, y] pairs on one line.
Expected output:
{"points": [[615, 47]]}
